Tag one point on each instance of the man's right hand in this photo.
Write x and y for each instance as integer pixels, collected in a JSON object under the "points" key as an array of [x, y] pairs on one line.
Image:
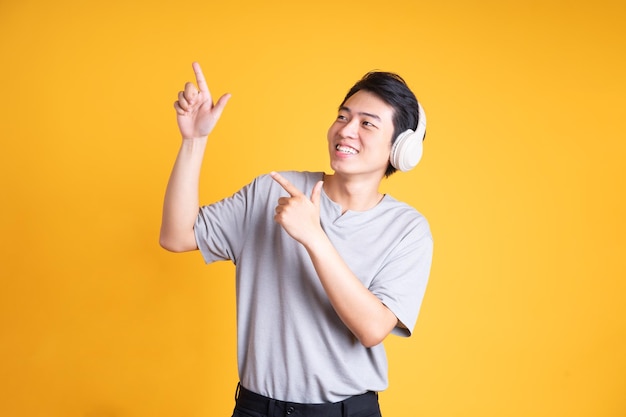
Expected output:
{"points": [[196, 113]]}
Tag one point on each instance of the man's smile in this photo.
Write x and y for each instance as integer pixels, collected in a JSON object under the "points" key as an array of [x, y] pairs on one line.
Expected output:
{"points": [[346, 149]]}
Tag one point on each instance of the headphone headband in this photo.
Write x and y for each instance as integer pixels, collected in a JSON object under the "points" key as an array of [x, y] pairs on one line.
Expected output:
{"points": [[421, 122]]}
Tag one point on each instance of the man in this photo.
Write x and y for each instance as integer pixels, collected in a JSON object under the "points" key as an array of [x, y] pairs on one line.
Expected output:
{"points": [[326, 265]]}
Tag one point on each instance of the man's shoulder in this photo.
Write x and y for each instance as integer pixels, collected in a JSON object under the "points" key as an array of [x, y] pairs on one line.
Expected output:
{"points": [[403, 213]]}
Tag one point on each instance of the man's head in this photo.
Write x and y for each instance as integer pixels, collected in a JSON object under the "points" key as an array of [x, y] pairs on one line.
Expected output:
{"points": [[393, 90]]}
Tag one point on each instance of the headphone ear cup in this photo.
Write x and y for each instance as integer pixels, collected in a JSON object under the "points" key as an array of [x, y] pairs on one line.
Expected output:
{"points": [[406, 151]]}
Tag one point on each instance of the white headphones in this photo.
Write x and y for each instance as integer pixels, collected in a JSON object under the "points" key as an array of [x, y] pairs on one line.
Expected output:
{"points": [[407, 150]]}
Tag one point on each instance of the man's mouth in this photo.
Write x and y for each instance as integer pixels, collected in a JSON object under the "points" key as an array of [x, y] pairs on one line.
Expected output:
{"points": [[346, 149]]}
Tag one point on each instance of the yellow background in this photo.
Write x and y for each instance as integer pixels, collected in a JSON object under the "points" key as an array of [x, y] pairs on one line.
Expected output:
{"points": [[522, 181]]}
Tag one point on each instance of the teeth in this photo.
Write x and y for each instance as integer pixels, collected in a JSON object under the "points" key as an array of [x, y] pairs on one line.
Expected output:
{"points": [[346, 149]]}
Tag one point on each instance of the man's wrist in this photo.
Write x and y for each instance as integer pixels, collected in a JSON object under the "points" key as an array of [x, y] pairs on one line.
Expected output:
{"points": [[196, 139]]}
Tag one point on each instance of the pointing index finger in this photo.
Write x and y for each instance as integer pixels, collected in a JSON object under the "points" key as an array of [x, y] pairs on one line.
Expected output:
{"points": [[289, 187], [202, 85]]}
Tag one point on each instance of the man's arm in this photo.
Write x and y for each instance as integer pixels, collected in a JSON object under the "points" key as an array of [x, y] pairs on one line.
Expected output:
{"points": [[360, 310], [196, 116]]}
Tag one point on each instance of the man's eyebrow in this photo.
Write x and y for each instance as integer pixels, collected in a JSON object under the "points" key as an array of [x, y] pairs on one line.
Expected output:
{"points": [[373, 116]]}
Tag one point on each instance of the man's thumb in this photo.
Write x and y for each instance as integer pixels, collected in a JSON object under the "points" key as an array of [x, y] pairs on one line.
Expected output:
{"points": [[316, 193], [219, 106]]}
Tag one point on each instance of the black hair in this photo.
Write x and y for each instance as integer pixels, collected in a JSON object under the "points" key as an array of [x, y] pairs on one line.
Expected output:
{"points": [[393, 90]]}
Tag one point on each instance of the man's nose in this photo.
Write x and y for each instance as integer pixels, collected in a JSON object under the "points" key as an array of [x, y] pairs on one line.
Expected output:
{"points": [[350, 129]]}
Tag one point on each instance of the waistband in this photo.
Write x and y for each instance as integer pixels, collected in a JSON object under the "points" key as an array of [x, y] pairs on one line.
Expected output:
{"points": [[255, 402]]}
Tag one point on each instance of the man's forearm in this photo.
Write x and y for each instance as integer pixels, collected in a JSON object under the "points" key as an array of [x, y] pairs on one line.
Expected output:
{"points": [[360, 310], [181, 204]]}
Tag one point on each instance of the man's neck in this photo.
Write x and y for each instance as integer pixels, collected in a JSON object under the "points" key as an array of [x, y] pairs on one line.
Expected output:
{"points": [[355, 194]]}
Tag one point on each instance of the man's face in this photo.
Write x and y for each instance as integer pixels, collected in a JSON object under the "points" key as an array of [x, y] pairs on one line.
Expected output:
{"points": [[359, 141]]}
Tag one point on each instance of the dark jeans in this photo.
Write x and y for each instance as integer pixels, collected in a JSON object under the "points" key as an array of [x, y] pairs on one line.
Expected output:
{"points": [[250, 404]]}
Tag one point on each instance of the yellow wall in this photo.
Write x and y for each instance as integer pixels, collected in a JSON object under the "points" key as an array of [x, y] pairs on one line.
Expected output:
{"points": [[523, 182]]}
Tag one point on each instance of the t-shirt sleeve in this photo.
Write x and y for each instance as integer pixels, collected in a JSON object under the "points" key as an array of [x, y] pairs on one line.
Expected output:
{"points": [[221, 227], [401, 283]]}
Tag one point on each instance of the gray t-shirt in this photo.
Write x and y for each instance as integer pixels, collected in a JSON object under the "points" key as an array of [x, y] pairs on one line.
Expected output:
{"points": [[292, 346]]}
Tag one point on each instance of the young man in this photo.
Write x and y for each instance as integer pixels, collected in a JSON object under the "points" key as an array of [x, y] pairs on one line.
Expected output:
{"points": [[326, 265]]}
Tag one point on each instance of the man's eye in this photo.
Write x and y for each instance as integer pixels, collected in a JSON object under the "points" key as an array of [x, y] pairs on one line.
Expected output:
{"points": [[368, 124], [342, 117]]}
